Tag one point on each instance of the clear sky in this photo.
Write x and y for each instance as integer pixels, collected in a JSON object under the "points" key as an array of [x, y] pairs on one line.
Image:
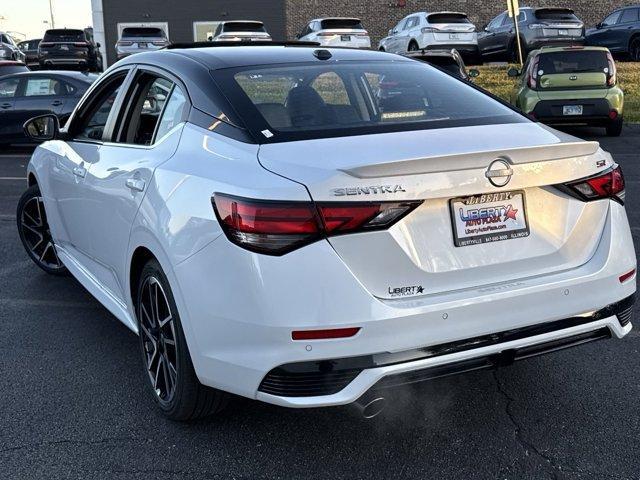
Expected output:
{"points": [[26, 16]]}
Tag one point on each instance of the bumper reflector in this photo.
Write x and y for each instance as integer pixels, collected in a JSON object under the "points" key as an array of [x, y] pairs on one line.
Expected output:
{"points": [[627, 276], [324, 334]]}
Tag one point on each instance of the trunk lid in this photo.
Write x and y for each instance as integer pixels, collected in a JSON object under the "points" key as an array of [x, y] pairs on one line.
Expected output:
{"points": [[574, 80], [418, 256]]}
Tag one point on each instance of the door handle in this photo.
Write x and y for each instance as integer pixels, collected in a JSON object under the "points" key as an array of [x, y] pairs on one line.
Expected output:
{"points": [[5, 105], [57, 103], [80, 171], [136, 184]]}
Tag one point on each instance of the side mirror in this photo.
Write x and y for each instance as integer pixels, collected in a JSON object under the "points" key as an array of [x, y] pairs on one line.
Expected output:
{"points": [[98, 44], [474, 73], [42, 128], [485, 29], [513, 72]]}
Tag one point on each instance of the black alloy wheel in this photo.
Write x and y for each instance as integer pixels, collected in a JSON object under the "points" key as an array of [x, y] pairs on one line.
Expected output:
{"points": [[35, 234]]}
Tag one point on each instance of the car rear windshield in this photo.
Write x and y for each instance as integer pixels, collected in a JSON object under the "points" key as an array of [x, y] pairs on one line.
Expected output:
{"points": [[447, 18], [573, 62], [556, 14], [137, 32], [243, 27], [340, 23], [350, 98], [64, 36]]}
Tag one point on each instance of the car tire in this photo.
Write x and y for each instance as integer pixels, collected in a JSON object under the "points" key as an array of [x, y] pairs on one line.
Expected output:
{"points": [[634, 49], [413, 46], [614, 128], [35, 234], [169, 373]]}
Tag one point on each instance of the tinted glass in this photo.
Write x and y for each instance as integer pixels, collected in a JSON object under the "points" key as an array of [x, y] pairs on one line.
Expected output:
{"points": [[611, 19], [496, 22], [556, 14], [243, 27], [447, 18], [172, 114], [574, 62], [349, 23], [359, 98], [145, 110], [509, 20], [9, 69], [8, 87], [65, 35], [629, 15], [92, 127], [136, 32], [39, 87]]}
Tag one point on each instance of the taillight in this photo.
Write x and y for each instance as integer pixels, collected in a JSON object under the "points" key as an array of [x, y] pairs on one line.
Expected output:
{"points": [[327, 34], [45, 44], [609, 184], [124, 43], [81, 44], [160, 43], [277, 227], [611, 71], [533, 73], [428, 30]]}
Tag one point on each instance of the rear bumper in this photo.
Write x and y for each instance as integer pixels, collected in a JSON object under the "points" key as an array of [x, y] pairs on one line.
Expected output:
{"points": [[539, 42], [595, 111], [239, 310], [300, 382], [462, 48]]}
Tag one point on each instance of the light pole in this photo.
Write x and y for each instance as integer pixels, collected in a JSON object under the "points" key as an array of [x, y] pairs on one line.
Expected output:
{"points": [[53, 25]]}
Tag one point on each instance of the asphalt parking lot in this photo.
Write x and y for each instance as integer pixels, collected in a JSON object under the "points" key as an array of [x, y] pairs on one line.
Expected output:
{"points": [[73, 406]]}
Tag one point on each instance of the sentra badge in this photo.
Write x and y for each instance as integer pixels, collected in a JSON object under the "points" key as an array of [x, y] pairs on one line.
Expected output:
{"points": [[372, 190]]}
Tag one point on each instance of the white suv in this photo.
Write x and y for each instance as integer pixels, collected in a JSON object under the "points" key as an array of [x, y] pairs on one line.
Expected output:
{"points": [[336, 32], [440, 30]]}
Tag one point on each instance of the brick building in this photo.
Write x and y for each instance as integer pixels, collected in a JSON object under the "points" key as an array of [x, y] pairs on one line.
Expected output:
{"points": [[189, 20]]}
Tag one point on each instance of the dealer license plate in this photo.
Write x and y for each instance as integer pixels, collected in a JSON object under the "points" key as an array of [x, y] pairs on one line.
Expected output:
{"points": [[489, 217], [454, 36], [345, 38]]}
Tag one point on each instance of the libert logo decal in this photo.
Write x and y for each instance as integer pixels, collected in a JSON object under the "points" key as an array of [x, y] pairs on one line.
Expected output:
{"points": [[483, 216], [406, 291]]}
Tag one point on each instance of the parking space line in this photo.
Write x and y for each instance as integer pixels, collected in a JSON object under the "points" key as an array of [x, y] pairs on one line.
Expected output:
{"points": [[13, 178], [21, 302]]}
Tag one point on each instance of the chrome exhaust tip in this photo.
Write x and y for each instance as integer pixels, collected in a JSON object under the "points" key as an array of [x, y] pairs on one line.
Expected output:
{"points": [[370, 406]]}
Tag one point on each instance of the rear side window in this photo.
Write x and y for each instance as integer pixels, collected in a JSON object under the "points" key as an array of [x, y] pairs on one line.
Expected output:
{"points": [[341, 23], [556, 14], [43, 87], [173, 111], [611, 19], [243, 27], [574, 62], [137, 32], [447, 18], [66, 35], [629, 15], [9, 69]]}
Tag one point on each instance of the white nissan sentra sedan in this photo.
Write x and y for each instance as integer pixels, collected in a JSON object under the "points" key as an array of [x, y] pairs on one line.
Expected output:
{"points": [[310, 227]]}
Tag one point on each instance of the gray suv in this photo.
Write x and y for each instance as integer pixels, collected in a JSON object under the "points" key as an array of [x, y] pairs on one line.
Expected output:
{"points": [[140, 39], [9, 50], [538, 27]]}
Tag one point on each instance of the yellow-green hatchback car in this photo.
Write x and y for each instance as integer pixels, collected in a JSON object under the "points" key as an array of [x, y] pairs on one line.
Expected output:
{"points": [[570, 85]]}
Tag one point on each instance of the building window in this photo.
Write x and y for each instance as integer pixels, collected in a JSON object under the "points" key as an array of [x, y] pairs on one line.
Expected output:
{"points": [[204, 31]]}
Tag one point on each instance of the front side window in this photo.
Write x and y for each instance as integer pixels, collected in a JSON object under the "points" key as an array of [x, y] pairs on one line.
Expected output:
{"points": [[92, 123], [611, 19], [313, 101], [9, 87], [496, 22]]}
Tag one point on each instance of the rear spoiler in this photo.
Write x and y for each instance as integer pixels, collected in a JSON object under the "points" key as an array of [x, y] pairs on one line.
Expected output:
{"points": [[554, 10]]}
